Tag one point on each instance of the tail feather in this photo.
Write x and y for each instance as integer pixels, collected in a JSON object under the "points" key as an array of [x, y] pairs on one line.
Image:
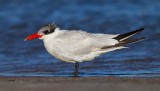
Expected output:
{"points": [[123, 39], [127, 35], [124, 42], [129, 41]]}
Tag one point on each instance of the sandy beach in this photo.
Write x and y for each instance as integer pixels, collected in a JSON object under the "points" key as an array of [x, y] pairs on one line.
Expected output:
{"points": [[78, 84]]}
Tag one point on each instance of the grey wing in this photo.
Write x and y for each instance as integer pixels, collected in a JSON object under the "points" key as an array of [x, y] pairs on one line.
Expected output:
{"points": [[82, 43]]}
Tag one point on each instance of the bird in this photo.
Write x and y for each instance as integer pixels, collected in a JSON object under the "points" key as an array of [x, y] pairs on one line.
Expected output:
{"points": [[75, 46]]}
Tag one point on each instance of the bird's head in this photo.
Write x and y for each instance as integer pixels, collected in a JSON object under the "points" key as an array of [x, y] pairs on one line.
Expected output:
{"points": [[44, 31]]}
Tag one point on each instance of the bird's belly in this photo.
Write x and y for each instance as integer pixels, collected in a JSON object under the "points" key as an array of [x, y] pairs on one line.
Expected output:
{"points": [[59, 54]]}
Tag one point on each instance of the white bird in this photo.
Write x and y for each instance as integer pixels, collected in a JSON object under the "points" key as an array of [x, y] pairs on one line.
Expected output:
{"points": [[78, 46]]}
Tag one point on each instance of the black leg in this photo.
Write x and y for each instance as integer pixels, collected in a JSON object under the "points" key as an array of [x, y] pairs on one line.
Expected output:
{"points": [[76, 70]]}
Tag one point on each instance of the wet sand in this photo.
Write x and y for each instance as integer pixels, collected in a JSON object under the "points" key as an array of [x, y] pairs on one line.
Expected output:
{"points": [[78, 84]]}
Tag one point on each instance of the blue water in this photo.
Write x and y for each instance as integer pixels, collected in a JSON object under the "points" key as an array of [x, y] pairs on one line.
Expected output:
{"points": [[20, 18]]}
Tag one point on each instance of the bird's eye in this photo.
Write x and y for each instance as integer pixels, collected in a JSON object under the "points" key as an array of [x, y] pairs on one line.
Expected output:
{"points": [[46, 32]]}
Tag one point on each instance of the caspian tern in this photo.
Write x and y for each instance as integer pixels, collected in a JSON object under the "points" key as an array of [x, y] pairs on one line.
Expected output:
{"points": [[79, 46]]}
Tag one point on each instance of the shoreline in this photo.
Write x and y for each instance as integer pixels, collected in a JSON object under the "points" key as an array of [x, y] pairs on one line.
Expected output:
{"points": [[78, 84], [52, 79]]}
